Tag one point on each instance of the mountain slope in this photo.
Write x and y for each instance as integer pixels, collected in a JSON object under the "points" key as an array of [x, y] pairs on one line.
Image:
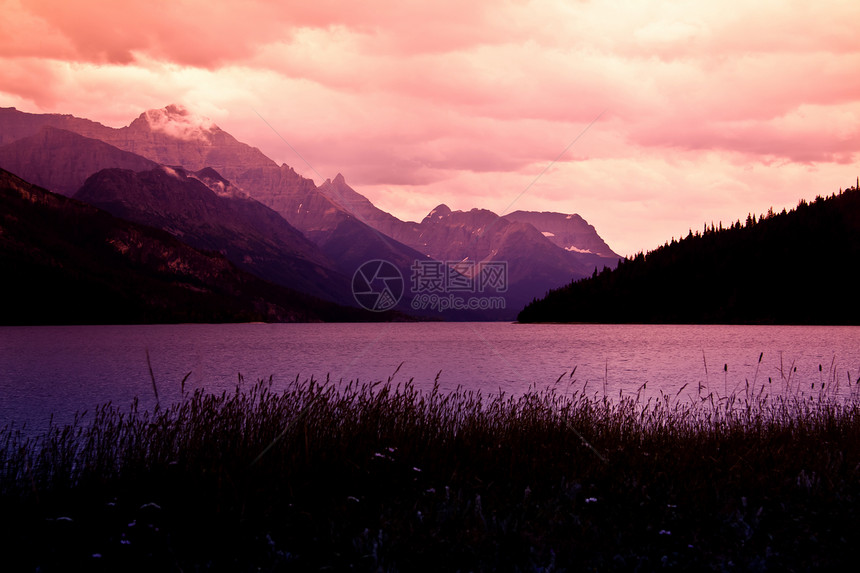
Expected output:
{"points": [[338, 191], [61, 160], [248, 233], [534, 265], [170, 136], [15, 124], [341, 235], [66, 262], [222, 218], [570, 232], [796, 267]]}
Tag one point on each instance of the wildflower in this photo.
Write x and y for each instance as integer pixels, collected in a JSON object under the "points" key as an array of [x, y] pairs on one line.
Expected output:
{"points": [[665, 532], [416, 469], [590, 500], [352, 498]]}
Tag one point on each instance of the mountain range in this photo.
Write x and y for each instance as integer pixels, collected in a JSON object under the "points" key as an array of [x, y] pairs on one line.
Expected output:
{"points": [[175, 171]]}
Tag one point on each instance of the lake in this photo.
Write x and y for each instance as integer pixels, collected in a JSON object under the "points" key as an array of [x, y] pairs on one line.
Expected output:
{"points": [[58, 370]]}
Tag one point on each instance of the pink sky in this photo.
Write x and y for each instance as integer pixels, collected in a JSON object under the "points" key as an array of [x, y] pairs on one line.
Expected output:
{"points": [[710, 110]]}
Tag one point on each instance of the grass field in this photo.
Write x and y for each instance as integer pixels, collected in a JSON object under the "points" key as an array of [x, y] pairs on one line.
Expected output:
{"points": [[326, 476]]}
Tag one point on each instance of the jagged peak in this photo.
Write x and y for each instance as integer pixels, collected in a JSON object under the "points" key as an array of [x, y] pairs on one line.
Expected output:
{"points": [[179, 122], [440, 211]]}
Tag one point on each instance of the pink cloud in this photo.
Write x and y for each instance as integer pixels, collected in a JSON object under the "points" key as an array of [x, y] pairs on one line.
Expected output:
{"points": [[420, 103], [24, 80], [189, 33], [765, 141], [202, 33]]}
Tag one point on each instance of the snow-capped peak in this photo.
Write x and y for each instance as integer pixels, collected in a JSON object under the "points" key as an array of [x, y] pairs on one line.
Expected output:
{"points": [[177, 121]]}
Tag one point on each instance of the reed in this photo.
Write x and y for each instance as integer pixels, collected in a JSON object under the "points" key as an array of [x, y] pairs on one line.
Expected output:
{"points": [[335, 475]]}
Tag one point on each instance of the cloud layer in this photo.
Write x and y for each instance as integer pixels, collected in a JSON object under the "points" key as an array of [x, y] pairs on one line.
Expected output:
{"points": [[709, 110]]}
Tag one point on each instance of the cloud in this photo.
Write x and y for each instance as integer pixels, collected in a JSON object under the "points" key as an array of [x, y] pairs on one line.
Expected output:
{"points": [[206, 34], [418, 103], [191, 32]]}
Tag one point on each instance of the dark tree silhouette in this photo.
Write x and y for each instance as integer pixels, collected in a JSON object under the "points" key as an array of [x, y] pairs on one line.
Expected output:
{"points": [[797, 267]]}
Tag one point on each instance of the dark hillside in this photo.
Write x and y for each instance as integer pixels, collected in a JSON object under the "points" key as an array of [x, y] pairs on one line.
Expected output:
{"points": [[66, 262]]}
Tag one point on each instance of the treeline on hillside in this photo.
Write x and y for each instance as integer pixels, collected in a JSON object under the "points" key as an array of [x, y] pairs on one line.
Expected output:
{"points": [[797, 267]]}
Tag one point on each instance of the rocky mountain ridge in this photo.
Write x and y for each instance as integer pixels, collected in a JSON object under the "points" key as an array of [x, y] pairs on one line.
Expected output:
{"points": [[541, 250]]}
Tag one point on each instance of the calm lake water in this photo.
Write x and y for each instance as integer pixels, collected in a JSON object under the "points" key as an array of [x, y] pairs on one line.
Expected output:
{"points": [[59, 370]]}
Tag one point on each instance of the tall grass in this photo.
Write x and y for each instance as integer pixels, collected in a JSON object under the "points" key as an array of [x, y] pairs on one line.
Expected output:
{"points": [[385, 477]]}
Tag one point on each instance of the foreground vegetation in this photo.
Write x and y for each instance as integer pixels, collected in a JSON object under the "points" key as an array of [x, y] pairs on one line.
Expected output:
{"points": [[383, 477]]}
